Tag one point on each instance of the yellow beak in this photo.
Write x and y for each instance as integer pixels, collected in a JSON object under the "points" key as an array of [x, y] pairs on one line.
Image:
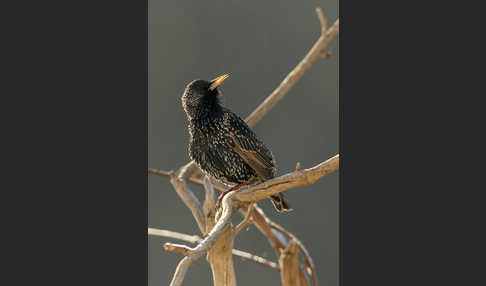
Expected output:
{"points": [[217, 81]]}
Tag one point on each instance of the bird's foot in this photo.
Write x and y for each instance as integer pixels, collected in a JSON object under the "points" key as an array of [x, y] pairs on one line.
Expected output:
{"points": [[221, 196]]}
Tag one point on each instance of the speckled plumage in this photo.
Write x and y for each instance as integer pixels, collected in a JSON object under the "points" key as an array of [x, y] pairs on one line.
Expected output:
{"points": [[222, 144]]}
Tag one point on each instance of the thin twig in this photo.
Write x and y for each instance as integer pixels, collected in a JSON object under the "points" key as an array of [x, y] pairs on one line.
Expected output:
{"points": [[246, 221], [190, 200], [194, 179], [174, 234], [256, 258], [196, 239], [322, 20], [179, 248], [291, 79], [159, 172]]}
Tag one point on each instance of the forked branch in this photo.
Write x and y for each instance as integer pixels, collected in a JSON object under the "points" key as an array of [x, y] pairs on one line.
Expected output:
{"points": [[196, 239], [198, 251]]}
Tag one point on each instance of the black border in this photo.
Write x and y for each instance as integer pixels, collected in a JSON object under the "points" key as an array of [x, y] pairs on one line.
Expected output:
{"points": [[408, 214], [77, 118]]}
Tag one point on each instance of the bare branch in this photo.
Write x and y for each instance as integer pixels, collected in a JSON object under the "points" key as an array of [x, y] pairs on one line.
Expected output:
{"points": [[196, 239], [190, 200], [256, 258], [285, 182], [246, 221], [263, 224], [322, 20], [292, 78], [159, 172], [205, 244], [182, 249], [268, 228], [173, 234], [194, 179]]}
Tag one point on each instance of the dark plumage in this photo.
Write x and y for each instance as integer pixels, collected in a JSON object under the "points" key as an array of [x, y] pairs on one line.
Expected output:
{"points": [[222, 144]]}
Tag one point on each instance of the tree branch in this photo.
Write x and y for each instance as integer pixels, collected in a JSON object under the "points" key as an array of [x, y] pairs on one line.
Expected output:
{"points": [[246, 221], [173, 234], [159, 172], [287, 181], [196, 239], [182, 249], [289, 81], [189, 199], [266, 226], [256, 258], [195, 253]]}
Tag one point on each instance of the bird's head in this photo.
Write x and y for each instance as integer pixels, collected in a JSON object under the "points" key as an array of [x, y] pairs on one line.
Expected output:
{"points": [[201, 97]]}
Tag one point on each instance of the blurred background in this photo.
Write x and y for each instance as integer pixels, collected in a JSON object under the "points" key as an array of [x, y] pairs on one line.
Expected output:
{"points": [[258, 43]]}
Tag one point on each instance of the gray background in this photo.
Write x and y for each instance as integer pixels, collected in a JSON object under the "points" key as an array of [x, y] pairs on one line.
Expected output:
{"points": [[257, 43]]}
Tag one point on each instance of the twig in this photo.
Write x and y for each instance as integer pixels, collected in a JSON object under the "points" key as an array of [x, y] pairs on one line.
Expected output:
{"points": [[190, 200], [159, 172], [173, 234], [256, 258], [246, 221], [194, 179], [196, 239], [262, 222], [205, 244], [322, 20], [182, 249], [289, 81]]}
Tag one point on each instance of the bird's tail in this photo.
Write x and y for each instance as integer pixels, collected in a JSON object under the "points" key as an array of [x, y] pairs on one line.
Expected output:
{"points": [[280, 203]]}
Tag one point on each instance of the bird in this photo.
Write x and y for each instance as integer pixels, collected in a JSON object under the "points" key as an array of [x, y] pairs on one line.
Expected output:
{"points": [[222, 144]]}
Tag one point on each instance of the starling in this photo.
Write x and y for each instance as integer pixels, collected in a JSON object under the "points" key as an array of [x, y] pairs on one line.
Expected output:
{"points": [[222, 144]]}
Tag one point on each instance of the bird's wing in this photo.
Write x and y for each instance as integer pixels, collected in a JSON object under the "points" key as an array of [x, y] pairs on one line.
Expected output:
{"points": [[245, 143]]}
